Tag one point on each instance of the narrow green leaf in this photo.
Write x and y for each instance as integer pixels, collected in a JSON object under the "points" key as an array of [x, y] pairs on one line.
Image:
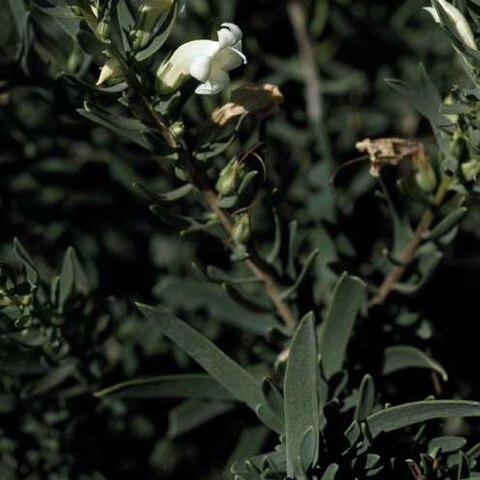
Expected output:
{"points": [[197, 386], [67, 277], [26, 261], [277, 242], [53, 379], [194, 413], [273, 398], [160, 37], [348, 297], [424, 96], [167, 197], [249, 304], [300, 392], [446, 444], [219, 276], [399, 357], [366, 399], [250, 443], [270, 419], [331, 472], [449, 222], [19, 12], [221, 367], [305, 269], [292, 248], [408, 414]]}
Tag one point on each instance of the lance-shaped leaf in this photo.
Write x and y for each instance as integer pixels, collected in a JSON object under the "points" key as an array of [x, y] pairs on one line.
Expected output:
{"points": [[330, 472], [18, 11], [424, 97], [449, 222], [161, 36], [198, 386], [222, 368], [366, 398], [277, 241], [26, 261], [301, 397], [193, 413], [236, 295], [399, 357], [290, 291], [348, 297], [394, 418], [446, 444]]}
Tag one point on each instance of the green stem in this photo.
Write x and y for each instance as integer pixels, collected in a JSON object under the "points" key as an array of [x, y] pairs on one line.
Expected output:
{"points": [[411, 248], [130, 77], [272, 288]]}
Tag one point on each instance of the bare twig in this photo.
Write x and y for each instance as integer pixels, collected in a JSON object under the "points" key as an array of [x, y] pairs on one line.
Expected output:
{"points": [[313, 98]]}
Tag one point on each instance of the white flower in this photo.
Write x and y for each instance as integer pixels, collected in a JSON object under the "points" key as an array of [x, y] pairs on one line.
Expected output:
{"points": [[208, 61], [460, 22]]}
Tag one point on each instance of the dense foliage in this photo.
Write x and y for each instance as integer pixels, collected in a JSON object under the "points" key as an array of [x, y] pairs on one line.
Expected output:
{"points": [[193, 283]]}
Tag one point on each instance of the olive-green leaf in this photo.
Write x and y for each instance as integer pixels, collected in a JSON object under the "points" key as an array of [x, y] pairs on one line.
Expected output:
{"points": [[348, 297], [67, 277], [195, 385], [449, 222], [301, 400], [366, 398], [222, 368], [407, 414], [399, 357], [193, 413], [331, 472]]}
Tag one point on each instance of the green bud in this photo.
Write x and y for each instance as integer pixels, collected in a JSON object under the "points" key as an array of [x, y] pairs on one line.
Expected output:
{"points": [[182, 174], [424, 174], [178, 128], [230, 177], [242, 229], [470, 170], [426, 178], [103, 29], [149, 14], [76, 10]]}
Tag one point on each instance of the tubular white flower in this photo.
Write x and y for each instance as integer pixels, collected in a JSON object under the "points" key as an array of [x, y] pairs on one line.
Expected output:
{"points": [[208, 61], [460, 22]]}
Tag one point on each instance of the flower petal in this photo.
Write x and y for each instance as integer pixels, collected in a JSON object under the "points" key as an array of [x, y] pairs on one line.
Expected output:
{"points": [[218, 80], [201, 67], [230, 58], [229, 35]]}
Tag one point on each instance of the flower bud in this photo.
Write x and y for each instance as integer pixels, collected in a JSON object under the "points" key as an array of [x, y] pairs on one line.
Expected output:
{"points": [[149, 13], [424, 173], [230, 177], [178, 128], [470, 170], [460, 23], [426, 179], [103, 29], [242, 229], [109, 71]]}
